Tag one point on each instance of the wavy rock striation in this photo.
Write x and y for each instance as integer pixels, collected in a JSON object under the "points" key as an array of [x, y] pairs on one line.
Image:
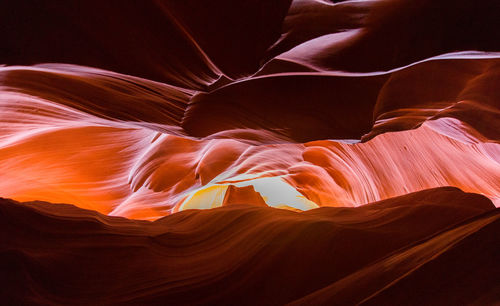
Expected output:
{"points": [[420, 243], [176, 128]]}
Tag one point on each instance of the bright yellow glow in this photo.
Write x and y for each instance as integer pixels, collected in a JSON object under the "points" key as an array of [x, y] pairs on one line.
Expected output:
{"points": [[208, 197], [275, 192]]}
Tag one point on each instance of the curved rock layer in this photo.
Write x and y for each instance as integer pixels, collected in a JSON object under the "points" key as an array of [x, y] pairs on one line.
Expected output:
{"points": [[177, 128], [293, 104], [132, 147], [434, 247]]}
